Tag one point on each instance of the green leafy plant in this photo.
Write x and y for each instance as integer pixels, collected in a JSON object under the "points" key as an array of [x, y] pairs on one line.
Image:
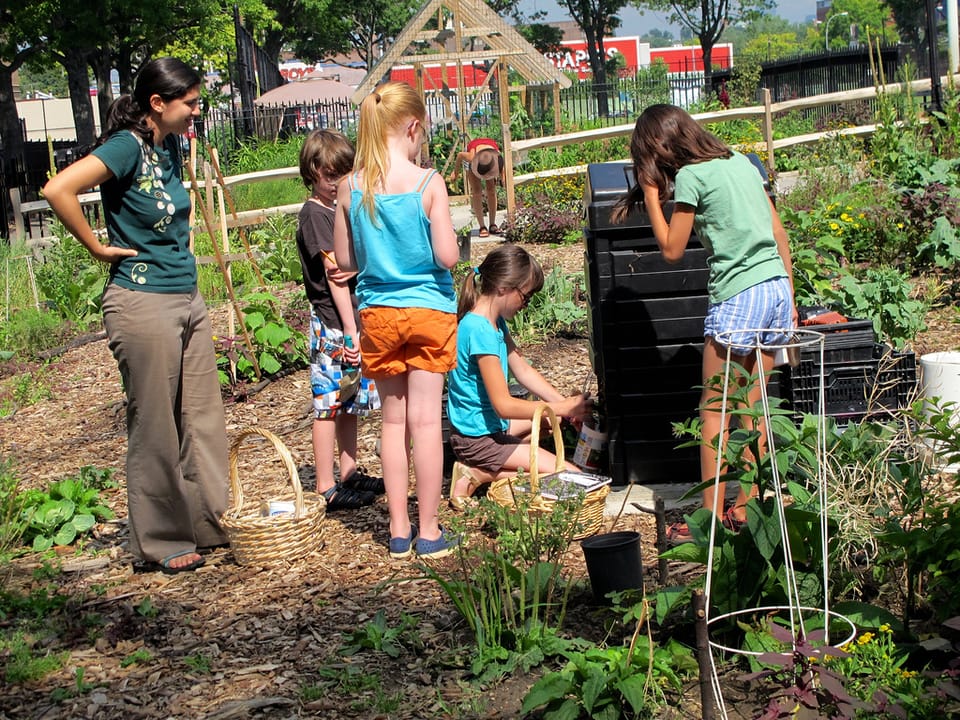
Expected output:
{"points": [[885, 296], [510, 586], [199, 662], [377, 635], [558, 309], [80, 687], [277, 345], [140, 656], [354, 679], [276, 240], [26, 389], [11, 507], [70, 279], [613, 682], [877, 671], [68, 510], [146, 608], [26, 661]]}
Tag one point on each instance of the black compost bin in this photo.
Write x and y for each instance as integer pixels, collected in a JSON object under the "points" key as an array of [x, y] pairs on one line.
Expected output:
{"points": [[646, 333]]}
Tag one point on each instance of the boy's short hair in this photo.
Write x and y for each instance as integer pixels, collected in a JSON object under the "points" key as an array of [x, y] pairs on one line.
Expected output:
{"points": [[325, 150]]}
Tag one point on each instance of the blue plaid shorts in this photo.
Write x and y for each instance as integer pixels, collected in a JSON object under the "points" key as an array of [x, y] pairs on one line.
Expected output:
{"points": [[762, 314]]}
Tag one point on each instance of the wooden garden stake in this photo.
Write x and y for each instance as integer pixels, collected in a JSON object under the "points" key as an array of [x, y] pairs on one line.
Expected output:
{"points": [[699, 602], [208, 222], [233, 211]]}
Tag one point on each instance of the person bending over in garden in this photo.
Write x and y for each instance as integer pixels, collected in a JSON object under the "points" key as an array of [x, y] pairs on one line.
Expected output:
{"points": [[393, 225], [489, 428], [719, 194], [156, 320], [482, 163], [340, 392]]}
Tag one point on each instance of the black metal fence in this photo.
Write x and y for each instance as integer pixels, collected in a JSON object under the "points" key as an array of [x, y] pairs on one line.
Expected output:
{"points": [[827, 72]]}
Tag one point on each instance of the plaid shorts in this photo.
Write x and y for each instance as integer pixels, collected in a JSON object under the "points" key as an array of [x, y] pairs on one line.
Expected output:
{"points": [[326, 373], [762, 314]]}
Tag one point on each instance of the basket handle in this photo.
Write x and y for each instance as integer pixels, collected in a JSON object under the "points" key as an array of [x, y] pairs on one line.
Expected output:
{"points": [[535, 443], [237, 489]]}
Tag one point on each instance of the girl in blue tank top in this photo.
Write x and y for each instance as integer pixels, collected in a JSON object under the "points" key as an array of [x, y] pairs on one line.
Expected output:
{"points": [[393, 227]]}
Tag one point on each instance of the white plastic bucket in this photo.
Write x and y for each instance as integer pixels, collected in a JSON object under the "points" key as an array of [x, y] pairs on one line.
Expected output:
{"points": [[940, 378], [590, 444]]}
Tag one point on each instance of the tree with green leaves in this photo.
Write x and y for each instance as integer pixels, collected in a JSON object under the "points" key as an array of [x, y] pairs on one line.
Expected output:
{"points": [[22, 32], [910, 16], [365, 26], [868, 17], [596, 18], [707, 19]]}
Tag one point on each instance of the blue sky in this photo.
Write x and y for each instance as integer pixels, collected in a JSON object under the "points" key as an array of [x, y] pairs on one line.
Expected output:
{"points": [[636, 24]]}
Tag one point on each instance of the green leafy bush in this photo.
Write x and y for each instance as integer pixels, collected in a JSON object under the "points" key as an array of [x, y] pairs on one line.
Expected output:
{"points": [[558, 309], [277, 344], [70, 279], [68, 510]]}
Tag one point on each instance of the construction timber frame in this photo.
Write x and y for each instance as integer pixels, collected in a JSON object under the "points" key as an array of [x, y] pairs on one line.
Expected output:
{"points": [[468, 24]]}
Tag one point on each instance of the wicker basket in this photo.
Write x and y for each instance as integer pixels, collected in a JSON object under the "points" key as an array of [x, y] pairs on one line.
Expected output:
{"points": [[502, 491], [258, 539]]}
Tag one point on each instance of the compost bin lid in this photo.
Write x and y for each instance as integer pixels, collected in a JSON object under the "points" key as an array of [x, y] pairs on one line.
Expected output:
{"points": [[608, 182]]}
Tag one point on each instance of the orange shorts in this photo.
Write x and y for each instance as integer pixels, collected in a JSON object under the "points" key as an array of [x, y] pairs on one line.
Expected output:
{"points": [[396, 340]]}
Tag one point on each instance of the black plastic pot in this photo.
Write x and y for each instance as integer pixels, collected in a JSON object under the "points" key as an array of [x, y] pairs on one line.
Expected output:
{"points": [[613, 563]]}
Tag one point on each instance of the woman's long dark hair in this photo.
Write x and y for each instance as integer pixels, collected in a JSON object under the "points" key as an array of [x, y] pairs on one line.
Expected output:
{"points": [[664, 140], [167, 77]]}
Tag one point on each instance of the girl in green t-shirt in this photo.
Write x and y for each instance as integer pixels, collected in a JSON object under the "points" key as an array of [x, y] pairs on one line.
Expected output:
{"points": [[719, 194]]}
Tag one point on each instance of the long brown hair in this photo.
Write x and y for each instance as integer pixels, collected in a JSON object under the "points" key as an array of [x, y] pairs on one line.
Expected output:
{"points": [[167, 77], [506, 266], [384, 111], [664, 140]]}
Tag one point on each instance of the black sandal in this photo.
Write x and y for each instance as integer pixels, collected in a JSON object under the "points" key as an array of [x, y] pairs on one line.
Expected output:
{"points": [[359, 479], [345, 498]]}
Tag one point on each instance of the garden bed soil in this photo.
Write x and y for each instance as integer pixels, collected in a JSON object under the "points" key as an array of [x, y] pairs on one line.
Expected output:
{"points": [[266, 634]]}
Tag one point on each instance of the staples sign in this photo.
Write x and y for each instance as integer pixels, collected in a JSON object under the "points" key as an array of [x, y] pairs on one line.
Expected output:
{"points": [[574, 57]]}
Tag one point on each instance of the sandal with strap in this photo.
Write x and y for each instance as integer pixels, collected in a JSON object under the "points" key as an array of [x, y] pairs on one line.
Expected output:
{"points": [[730, 521], [494, 229], [678, 534], [347, 498], [483, 232], [459, 503], [359, 479]]}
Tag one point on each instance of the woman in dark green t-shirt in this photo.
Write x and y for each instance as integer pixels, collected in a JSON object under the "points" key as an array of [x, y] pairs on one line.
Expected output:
{"points": [[156, 320]]}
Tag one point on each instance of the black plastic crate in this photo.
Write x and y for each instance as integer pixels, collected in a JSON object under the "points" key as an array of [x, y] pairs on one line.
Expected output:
{"points": [[843, 342], [852, 389]]}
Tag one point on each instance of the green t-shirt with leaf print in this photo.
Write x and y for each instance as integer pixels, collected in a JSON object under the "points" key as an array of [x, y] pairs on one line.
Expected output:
{"points": [[147, 208]]}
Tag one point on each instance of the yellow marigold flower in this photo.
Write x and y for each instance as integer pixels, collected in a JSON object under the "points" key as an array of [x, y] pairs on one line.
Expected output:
{"points": [[845, 217], [899, 226], [865, 638], [834, 226], [862, 215], [885, 629]]}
